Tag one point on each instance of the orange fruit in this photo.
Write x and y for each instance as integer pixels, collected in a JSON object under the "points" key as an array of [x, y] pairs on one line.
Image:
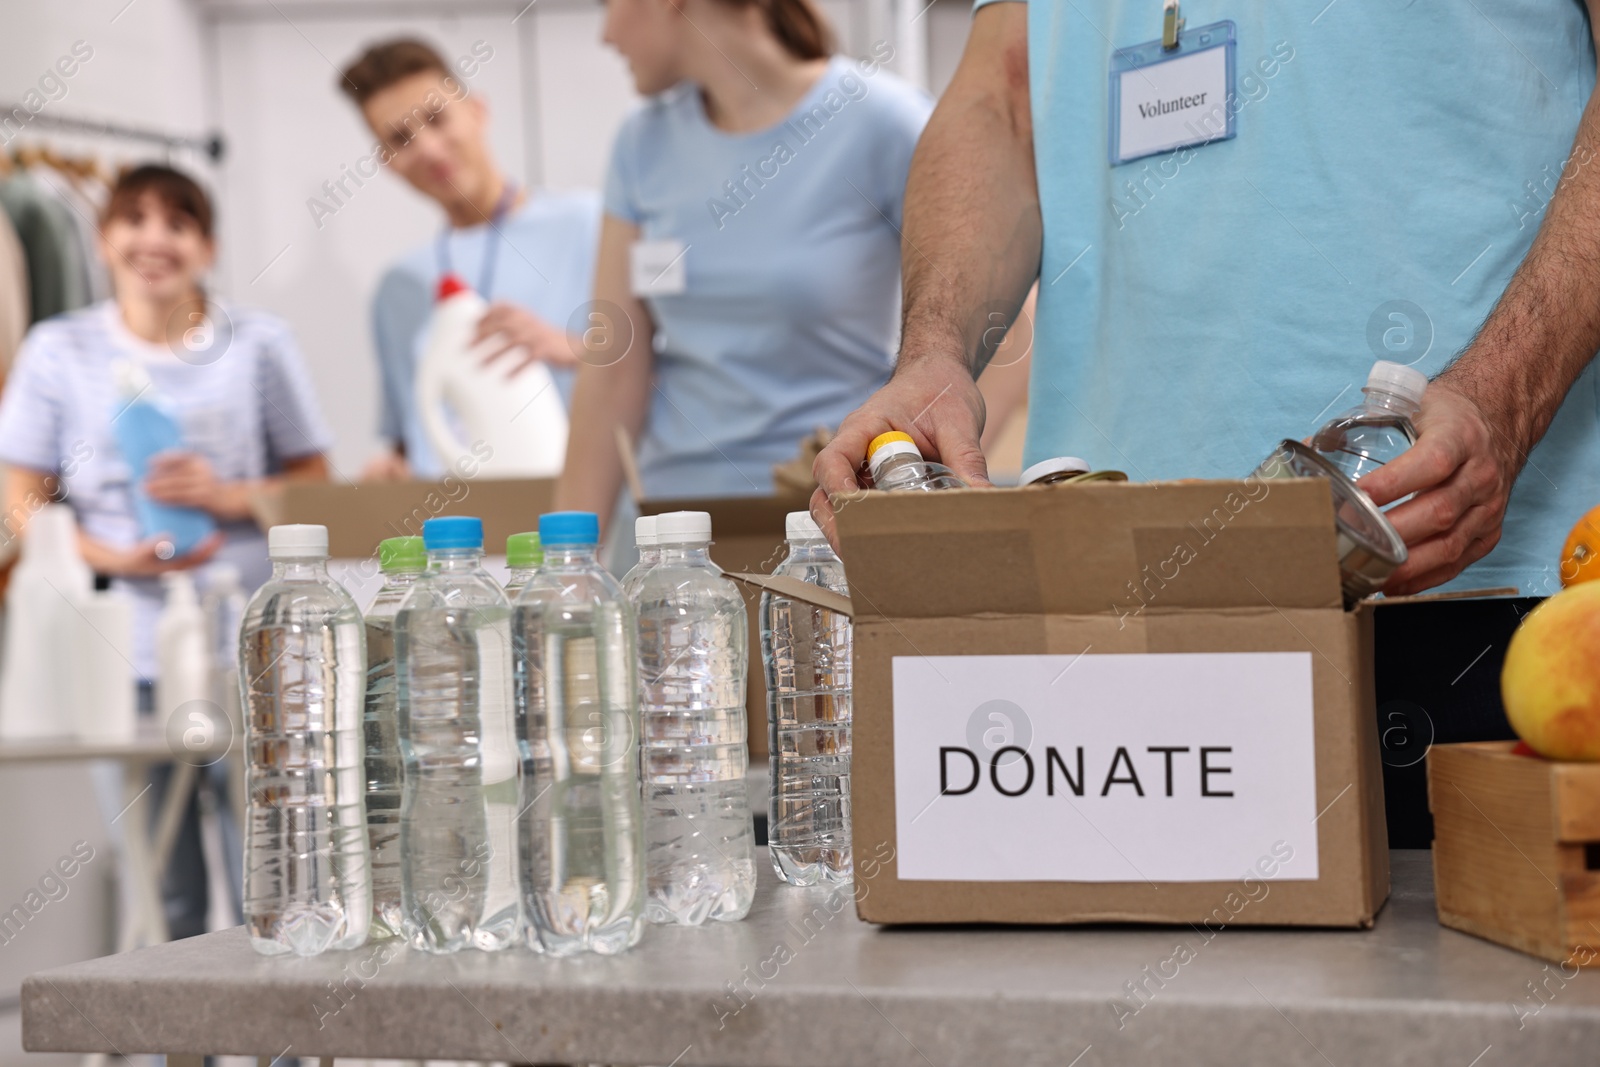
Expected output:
{"points": [[1580, 557], [1550, 684]]}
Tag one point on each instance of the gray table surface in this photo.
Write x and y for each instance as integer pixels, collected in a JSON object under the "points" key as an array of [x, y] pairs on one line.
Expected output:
{"points": [[816, 986]]}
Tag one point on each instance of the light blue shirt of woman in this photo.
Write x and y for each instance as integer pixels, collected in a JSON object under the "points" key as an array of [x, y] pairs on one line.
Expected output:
{"points": [[748, 284]]}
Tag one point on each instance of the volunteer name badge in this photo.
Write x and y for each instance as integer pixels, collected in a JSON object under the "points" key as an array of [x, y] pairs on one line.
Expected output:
{"points": [[659, 268], [1173, 92]]}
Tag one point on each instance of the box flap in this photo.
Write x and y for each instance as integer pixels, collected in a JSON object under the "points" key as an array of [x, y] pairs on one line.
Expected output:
{"points": [[1098, 547], [795, 589]]}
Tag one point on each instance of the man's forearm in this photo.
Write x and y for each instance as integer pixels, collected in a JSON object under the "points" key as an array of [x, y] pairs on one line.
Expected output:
{"points": [[1546, 326], [972, 233]]}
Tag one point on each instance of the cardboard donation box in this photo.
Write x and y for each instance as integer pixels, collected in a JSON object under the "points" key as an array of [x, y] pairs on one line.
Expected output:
{"points": [[1112, 702], [747, 535], [359, 516]]}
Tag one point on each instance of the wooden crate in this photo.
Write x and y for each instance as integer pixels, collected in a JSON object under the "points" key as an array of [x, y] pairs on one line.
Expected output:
{"points": [[1516, 849]]}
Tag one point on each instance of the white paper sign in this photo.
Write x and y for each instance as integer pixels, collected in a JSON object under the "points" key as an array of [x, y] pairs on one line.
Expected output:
{"points": [[658, 267], [1189, 767], [1171, 104]]}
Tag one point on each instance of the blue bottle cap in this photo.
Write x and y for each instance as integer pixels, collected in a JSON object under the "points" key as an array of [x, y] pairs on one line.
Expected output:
{"points": [[452, 531], [569, 528]]}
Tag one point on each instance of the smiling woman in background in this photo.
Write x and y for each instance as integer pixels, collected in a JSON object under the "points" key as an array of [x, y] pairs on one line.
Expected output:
{"points": [[233, 380], [748, 283]]}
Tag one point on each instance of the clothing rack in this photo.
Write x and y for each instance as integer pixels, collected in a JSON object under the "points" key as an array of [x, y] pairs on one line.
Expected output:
{"points": [[211, 144]]}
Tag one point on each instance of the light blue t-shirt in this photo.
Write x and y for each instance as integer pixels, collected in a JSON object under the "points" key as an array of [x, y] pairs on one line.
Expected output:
{"points": [[247, 410], [1197, 306], [790, 309], [543, 260]]}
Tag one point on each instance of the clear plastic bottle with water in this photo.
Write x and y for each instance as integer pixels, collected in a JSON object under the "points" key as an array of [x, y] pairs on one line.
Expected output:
{"points": [[806, 650], [895, 463], [523, 556], [582, 831], [1361, 440], [402, 561], [644, 538], [301, 656], [693, 638], [462, 778]]}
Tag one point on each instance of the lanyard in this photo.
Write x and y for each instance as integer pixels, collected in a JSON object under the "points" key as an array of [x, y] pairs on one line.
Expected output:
{"points": [[491, 244]]}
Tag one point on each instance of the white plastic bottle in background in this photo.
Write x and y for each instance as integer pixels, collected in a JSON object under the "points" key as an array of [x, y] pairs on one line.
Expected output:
{"points": [[644, 538], [301, 660], [700, 839], [105, 708], [223, 606], [523, 556], [1361, 440], [36, 678], [458, 844], [895, 463], [582, 833], [806, 650], [183, 663], [522, 420], [402, 561]]}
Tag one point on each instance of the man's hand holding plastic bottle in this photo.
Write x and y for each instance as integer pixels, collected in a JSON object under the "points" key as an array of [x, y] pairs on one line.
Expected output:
{"points": [[934, 399]]}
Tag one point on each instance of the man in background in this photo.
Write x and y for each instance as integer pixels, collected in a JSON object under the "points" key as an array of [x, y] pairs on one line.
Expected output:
{"points": [[530, 253]]}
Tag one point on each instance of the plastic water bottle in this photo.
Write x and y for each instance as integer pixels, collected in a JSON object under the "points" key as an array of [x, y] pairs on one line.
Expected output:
{"points": [[452, 644], [1377, 430], [896, 463], [806, 650], [301, 657], [644, 538], [582, 831], [523, 556], [700, 839], [402, 561]]}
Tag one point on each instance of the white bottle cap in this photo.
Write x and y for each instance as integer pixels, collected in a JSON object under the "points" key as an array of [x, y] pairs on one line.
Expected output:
{"points": [[1398, 378], [800, 526], [884, 452], [644, 531], [1059, 465], [297, 541], [683, 528]]}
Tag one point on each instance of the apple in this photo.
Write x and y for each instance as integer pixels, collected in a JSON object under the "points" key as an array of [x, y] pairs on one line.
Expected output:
{"points": [[1551, 680]]}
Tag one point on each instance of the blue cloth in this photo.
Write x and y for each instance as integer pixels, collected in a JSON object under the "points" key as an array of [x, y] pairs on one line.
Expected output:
{"points": [[1197, 306], [247, 411], [791, 307], [543, 261]]}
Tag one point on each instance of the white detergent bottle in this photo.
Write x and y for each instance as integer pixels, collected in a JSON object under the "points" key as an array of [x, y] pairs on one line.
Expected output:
{"points": [[183, 663], [523, 420], [37, 678], [105, 708]]}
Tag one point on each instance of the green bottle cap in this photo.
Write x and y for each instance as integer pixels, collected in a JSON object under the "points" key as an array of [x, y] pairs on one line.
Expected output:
{"points": [[397, 555], [523, 551]]}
